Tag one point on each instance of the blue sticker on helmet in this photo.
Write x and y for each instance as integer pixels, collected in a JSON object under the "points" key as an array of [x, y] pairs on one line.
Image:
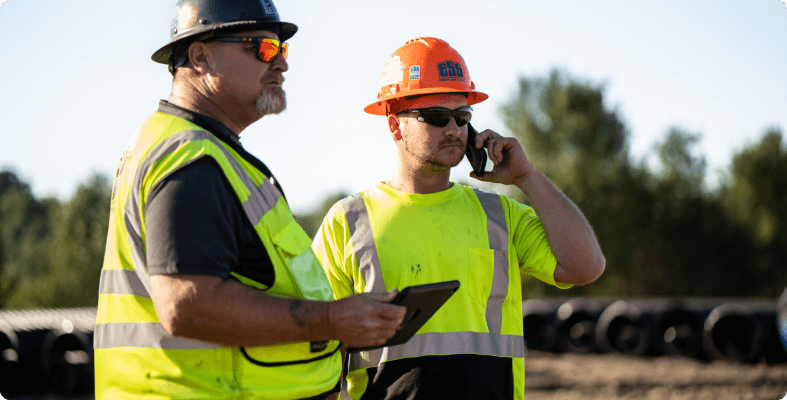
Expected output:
{"points": [[450, 71]]}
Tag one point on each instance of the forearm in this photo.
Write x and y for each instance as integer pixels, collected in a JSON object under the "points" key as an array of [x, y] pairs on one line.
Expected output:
{"points": [[568, 232], [228, 312]]}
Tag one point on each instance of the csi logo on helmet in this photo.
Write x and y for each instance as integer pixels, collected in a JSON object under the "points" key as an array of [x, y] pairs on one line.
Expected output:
{"points": [[450, 71]]}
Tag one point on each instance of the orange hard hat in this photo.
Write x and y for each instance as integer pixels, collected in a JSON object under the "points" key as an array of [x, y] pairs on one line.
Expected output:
{"points": [[422, 66]]}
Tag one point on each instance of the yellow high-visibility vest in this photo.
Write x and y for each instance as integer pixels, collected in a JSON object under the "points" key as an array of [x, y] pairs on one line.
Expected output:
{"points": [[134, 356]]}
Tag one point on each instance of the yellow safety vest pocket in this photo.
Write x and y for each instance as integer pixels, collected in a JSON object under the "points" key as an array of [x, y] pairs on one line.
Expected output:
{"points": [[307, 275], [290, 353]]}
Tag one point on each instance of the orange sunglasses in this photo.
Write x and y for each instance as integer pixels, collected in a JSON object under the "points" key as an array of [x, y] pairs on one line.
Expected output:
{"points": [[268, 48]]}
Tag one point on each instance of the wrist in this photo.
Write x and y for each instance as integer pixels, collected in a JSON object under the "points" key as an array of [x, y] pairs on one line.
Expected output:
{"points": [[523, 181], [330, 319]]}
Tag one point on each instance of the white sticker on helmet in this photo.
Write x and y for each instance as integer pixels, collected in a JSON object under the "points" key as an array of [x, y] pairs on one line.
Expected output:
{"points": [[187, 18], [415, 72], [393, 72]]}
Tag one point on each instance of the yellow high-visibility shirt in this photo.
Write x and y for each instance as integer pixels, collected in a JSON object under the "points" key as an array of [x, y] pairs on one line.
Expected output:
{"points": [[383, 239]]}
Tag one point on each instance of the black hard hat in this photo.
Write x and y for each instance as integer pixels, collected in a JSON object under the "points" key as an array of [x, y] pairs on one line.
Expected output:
{"points": [[200, 17]]}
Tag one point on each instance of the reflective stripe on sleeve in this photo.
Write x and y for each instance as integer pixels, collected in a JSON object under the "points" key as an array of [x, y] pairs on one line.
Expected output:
{"points": [[362, 239], [143, 335], [435, 343], [498, 241]]}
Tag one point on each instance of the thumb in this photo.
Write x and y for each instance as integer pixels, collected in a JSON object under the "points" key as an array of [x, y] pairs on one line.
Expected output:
{"points": [[384, 297], [489, 176], [474, 176], [388, 297]]}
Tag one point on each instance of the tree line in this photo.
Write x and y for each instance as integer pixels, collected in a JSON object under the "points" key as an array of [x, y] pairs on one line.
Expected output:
{"points": [[663, 230]]}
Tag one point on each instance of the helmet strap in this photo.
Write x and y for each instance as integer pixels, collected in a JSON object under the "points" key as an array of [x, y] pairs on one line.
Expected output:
{"points": [[178, 57]]}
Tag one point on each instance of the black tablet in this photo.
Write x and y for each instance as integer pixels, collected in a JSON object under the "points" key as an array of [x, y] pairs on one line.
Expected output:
{"points": [[422, 301]]}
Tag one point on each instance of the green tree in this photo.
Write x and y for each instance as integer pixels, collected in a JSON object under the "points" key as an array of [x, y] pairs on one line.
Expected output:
{"points": [[755, 196], [581, 145], [701, 250], [684, 172], [568, 133], [24, 236], [77, 247], [7, 283], [662, 233], [311, 222]]}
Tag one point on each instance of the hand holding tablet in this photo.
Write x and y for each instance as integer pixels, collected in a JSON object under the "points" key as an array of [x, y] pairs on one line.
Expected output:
{"points": [[421, 301]]}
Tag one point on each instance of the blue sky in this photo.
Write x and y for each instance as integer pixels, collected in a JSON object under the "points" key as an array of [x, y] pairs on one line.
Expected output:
{"points": [[77, 78]]}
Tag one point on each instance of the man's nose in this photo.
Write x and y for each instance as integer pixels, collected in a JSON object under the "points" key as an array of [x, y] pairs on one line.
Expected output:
{"points": [[452, 129], [280, 64]]}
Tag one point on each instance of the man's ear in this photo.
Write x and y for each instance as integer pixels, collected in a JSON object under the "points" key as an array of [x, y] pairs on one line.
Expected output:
{"points": [[394, 127], [199, 56]]}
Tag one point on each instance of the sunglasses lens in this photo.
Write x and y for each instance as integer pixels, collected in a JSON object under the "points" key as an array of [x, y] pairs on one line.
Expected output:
{"points": [[462, 117], [268, 50], [285, 49], [439, 118]]}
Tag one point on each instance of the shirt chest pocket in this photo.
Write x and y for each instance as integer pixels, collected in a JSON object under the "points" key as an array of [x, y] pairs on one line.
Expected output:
{"points": [[481, 273]]}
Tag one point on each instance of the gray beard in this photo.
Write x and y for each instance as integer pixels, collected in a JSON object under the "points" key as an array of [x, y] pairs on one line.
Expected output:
{"points": [[273, 101]]}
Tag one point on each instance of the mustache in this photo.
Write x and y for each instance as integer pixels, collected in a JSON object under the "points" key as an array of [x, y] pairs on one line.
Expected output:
{"points": [[277, 78], [450, 142]]}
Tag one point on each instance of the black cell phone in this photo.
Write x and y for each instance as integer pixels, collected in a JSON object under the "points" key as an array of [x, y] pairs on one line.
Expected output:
{"points": [[421, 301], [477, 157]]}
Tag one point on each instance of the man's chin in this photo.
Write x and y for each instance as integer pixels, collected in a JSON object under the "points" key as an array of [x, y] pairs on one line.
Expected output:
{"points": [[272, 102], [442, 165]]}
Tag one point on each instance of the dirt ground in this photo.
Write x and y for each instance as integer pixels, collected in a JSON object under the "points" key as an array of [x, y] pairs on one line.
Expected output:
{"points": [[611, 377], [570, 376]]}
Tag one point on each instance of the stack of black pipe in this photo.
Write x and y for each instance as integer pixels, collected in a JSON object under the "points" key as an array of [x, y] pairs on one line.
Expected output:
{"points": [[734, 329], [46, 352]]}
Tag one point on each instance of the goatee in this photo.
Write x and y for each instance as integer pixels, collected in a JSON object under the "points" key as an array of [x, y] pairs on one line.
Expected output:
{"points": [[273, 101]]}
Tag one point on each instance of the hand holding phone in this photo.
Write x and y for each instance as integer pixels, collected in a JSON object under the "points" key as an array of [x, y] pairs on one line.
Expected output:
{"points": [[477, 157]]}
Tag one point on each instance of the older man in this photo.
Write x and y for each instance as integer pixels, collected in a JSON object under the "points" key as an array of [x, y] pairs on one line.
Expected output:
{"points": [[209, 287], [419, 227]]}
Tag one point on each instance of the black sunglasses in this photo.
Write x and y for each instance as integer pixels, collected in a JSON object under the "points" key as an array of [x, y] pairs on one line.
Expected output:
{"points": [[441, 116], [266, 51]]}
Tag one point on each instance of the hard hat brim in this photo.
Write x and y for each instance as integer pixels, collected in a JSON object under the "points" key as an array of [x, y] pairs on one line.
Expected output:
{"points": [[379, 106], [286, 31]]}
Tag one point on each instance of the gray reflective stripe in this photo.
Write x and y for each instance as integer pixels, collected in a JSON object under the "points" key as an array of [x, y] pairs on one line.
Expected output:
{"points": [[260, 201], [435, 343], [256, 206], [132, 215], [498, 241], [366, 359], [121, 281], [491, 343], [362, 239], [143, 335]]}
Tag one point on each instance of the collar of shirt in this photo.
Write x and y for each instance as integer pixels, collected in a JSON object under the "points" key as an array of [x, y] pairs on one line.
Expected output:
{"points": [[210, 124]]}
